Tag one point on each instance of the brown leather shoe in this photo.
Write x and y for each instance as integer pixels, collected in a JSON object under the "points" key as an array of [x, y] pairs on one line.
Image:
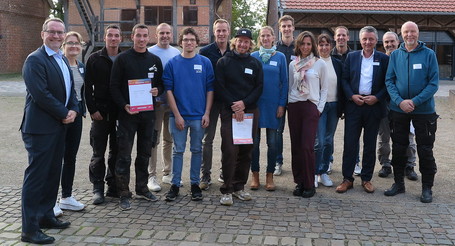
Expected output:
{"points": [[254, 181], [368, 186], [344, 186]]}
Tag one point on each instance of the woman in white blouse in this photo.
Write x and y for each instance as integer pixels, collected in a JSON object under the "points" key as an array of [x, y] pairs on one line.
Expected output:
{"points": [[306, 97]]}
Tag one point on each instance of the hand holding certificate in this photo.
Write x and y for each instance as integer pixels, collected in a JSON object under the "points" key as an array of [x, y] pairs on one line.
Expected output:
{"points": [[242, 131], [140, 93]]}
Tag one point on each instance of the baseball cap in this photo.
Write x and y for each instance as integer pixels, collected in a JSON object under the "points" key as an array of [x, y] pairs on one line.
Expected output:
{"points": [[244, 32]]}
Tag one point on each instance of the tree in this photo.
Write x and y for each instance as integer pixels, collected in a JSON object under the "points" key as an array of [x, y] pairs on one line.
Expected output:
{"points": [[57, 10], [249, 14]]}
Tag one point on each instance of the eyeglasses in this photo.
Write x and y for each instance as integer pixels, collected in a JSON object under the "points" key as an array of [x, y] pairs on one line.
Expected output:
{"points": [[72, 43], [187, 40], [52, 32]]}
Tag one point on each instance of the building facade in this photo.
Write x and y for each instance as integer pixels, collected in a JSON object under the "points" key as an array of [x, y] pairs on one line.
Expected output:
{"points": [[91, 17], [20, 26], [436, 20]]}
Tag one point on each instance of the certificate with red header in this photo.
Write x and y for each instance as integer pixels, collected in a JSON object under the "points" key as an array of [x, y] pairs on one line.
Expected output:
{"points": [[140, 97], [242, 131]]}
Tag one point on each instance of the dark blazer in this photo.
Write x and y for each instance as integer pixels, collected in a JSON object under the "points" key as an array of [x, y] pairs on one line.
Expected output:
{"points": [[351, 76], [338, 66], [45, 100]]}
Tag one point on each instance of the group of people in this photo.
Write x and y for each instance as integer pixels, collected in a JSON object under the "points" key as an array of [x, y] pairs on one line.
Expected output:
{"points": [[304, 76]]}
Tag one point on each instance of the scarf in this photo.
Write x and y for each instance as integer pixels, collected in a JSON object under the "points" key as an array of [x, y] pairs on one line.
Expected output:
{"points": [[265, 54], [300, 68]]}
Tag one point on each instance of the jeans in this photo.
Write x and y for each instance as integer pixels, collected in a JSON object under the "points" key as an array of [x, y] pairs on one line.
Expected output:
{"points": [[162, 122], [209, 135], [180, 136], [143, 125], [425, 129], [271, 150], [324, 138], [279, 140], [72, 141]]}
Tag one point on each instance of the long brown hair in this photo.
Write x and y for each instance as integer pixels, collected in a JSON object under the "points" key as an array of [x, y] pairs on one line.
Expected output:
{"points": [[299, 42]]}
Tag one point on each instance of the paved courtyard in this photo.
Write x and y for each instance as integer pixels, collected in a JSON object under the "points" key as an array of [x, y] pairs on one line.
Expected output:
{"points": [[271, 218]]}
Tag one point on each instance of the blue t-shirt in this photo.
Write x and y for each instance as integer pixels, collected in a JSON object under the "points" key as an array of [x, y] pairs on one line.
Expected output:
{"points": [[189, 79]]}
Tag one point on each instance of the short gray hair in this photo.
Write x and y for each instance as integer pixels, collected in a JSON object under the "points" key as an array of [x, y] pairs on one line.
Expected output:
{"points": [[393, 33], [368, 29]]}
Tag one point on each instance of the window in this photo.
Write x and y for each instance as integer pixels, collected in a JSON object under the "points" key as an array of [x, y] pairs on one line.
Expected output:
{"points": [[154, 15], [189, 16], [193, 2], [130, 16]]}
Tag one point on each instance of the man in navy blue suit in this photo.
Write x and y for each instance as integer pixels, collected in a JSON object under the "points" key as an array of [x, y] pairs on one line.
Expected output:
{"points": [[50, 105], [363, 84]]}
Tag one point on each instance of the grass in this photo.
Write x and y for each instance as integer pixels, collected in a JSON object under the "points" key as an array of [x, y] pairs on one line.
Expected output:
{"points": [[11, 77]]}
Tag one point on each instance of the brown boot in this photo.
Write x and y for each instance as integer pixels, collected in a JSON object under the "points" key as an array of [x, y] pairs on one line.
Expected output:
{"points": [[254, 181], [269, 185]]}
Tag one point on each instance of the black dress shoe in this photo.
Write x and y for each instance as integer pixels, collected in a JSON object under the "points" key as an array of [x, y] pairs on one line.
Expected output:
{"points": [[37, 237], [98, 198], [309, 193], [54, 223], [384, 172], [298, 191], [427, 195], [395, 190], [410, 174]]}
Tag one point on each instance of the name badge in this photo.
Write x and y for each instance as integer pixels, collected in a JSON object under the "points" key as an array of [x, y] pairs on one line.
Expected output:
{"points": [[375, 63], [273, 63], [81, 70], [151, 75], [198, 68], [293, 58], [417, 66], [248, 71]]}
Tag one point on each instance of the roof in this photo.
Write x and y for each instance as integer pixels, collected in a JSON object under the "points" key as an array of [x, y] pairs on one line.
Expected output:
{"points": [[439, 7]]}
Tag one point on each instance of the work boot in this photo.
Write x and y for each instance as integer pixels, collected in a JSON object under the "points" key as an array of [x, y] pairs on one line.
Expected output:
{"points": [[427, 194], [269, 185], [396, 189], [254, 185]]}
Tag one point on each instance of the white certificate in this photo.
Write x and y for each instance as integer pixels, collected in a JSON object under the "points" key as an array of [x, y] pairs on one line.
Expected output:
{"points": [[242, 132], [140, 97]]}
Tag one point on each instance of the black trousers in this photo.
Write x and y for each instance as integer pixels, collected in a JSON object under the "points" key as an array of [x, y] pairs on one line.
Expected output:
{"points": [[142, 124], [425, 128]]}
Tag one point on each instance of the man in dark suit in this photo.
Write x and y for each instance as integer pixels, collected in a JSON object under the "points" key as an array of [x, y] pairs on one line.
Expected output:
{"points": [[50, 105], [363, 84]]}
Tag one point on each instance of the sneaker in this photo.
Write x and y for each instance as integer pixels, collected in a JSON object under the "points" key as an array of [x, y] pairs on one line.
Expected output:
{"points": [[124, 203], [226, 200], [70, 203], [147, 196], [242, 195], [220, 178], [316, 177], [205, 185], [153, 184], [278, 169], [196, 193], [329, 170], [167, 179], [172, 194], [98, 198], [57, 211], [357, 169], [325, 180]]}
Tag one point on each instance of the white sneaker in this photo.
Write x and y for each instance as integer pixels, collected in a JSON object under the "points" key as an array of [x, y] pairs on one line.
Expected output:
{"points": [[357, 169], [70, 203], [57, 211], [316, 177], [329, 170], [226, 200], [167, 179], [278, 169], [325, 180], [153, 184], [242, 195]]}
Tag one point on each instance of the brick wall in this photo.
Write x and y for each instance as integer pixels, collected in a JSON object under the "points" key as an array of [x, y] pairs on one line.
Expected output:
{"points": [[20, 27]]}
